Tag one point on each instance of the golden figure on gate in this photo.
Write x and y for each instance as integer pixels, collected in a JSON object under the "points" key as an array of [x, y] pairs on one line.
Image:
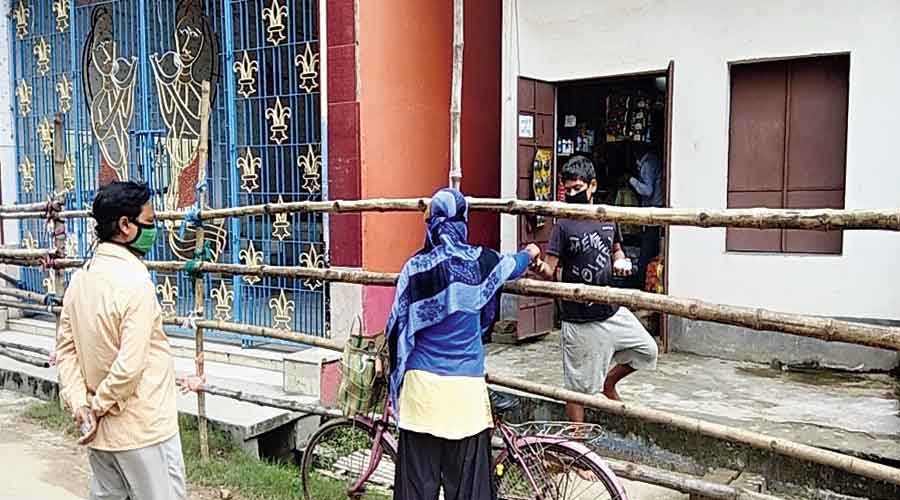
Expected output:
{"points": [[275, 15], [245, 69], [308, 62], [282, 311]]}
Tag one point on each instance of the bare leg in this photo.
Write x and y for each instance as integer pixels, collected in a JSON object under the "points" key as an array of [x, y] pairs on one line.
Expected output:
{"points": [[575, 412], [613, 377]]}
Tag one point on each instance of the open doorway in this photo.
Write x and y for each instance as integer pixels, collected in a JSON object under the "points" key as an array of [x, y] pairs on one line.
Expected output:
{"points": [[622, 124]]}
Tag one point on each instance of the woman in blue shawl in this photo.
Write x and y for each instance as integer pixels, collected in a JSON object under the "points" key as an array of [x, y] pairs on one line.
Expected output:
{"points": [[446, 299]]}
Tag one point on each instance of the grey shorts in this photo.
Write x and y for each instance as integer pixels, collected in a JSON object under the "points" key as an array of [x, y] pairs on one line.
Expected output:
{"points": [[152, 473], [589, 348]]}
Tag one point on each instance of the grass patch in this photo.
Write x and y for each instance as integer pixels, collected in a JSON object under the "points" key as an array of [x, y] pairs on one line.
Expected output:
{"points": [[228, 466]]}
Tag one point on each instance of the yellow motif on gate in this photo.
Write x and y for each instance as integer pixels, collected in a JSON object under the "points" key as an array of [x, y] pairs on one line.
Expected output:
{"points": [[50, 283], [312, 259], [275, 16], [71, 247], [169, 293], [28, 241], [251, 257], [223, 297], [61, 9], [249, 165], [245, 68], [20, 14], [23, 92], [279, 116], [26, 168], [45, 135], [69, 174], [310, 165], [282, 311], [42, 53], [64, 90], [281, 228], [308, 63]]}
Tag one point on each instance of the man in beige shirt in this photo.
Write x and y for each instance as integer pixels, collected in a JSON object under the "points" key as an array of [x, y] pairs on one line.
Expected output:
{"points": [[116, 369]]}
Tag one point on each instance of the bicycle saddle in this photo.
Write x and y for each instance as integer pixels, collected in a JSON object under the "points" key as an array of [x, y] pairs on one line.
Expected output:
{"points": [[502, 402]]}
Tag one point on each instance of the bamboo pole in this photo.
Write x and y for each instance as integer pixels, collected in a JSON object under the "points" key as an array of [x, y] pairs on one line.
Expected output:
{"points": [[827, 329], [887, 219], [23, 347], [456, 82], [200, 279], [53, 310], [37, 207], [25, 358], [26, 253], [683, 482], [23, 294], [58, 225], [284, 404], [775, 445]]}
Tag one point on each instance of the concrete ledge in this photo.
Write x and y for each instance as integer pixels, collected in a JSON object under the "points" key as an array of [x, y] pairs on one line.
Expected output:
{"points": [[742, 344], [303, 370]]}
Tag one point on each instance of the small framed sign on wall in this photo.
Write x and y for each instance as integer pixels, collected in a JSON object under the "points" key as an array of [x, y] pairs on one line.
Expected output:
{"points": [[526, 126]]}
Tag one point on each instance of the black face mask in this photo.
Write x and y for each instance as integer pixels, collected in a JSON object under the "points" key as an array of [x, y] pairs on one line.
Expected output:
{"points": [[579, 197]]}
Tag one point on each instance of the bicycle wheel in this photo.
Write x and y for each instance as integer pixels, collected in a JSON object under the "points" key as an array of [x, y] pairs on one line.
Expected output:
{"points": [[562, 473], [338, 455]]}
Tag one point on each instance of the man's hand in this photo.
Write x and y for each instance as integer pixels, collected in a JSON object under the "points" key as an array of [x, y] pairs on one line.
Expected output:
{"points": [[622, 266], [87, 421], [190, 383], [533, 250]]}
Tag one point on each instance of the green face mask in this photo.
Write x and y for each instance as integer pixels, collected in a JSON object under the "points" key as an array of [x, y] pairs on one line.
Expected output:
{"points": [[146, 237]]}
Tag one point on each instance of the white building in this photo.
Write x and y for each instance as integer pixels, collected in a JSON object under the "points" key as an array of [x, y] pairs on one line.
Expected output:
{"points": [[714, 48]]}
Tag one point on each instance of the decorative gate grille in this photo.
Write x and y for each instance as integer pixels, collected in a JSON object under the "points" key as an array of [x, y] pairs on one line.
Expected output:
{"points": [[126, 76]]}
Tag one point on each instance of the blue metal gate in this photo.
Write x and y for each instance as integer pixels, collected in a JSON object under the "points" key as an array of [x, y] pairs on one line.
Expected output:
{"points": [[126, 75]]}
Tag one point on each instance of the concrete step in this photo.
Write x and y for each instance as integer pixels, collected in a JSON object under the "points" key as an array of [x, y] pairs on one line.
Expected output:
{"points": [[259, 430], [182, 347]]}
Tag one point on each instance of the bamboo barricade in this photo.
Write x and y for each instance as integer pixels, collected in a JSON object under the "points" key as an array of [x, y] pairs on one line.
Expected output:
{"points": [[778, 446], [456, 81], [26, 253], [683, 483], [886, 219], [827, 329], [200, 278]]}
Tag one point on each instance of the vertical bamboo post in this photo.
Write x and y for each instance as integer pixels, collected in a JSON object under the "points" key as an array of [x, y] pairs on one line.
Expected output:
{"points": [[199, 281], [456, 96], [58, 197]]}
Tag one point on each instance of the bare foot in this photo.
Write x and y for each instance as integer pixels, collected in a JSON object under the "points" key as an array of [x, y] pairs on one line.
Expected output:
{"points": [[611, 393]]}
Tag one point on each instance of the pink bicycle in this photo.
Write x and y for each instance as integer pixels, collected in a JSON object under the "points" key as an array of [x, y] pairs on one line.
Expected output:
{"points": [[354, 458]]}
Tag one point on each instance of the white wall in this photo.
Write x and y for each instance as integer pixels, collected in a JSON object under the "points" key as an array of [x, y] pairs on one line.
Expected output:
{"points": [[8, 165], [557, 41]]}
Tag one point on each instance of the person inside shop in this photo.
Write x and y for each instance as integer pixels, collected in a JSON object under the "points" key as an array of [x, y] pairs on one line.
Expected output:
{"points": [[593, 335], [648, 185], [443, 304]]}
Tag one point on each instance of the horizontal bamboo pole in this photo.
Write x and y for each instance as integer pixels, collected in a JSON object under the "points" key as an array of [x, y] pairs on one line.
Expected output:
{"points": [[23, 294], [755, 218], [775, 445], [260, 331], [683, 483], [39, 206], [25, 253], [25, 358], [30, 307], [23, 347], [281, 403], [827, 329]]}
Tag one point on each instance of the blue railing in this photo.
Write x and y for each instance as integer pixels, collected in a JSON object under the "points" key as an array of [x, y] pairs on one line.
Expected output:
{"points": [[261, 57]]}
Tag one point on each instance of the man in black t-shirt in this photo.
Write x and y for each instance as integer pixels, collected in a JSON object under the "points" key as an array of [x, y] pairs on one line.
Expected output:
{"points": [[593, 335]]}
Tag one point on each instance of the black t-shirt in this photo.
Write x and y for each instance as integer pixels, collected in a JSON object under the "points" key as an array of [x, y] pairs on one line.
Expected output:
{"points": [[584, 249]]}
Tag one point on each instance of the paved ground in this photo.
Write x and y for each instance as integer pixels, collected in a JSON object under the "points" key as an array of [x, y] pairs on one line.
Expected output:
{"points": [[37, 464], [854, 412]]}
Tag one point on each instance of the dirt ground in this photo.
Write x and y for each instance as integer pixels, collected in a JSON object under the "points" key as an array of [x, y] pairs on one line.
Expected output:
{"points": [[39, 464]]}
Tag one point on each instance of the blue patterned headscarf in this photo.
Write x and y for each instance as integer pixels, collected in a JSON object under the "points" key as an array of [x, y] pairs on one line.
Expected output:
{"points": [[447, 276]]}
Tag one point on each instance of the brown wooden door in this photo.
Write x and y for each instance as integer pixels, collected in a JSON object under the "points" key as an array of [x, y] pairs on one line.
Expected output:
{"points": [[538, 101]]}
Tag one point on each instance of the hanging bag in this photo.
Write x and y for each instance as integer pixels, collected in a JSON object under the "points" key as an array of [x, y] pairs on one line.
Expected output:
{"points": [[361, 390]]}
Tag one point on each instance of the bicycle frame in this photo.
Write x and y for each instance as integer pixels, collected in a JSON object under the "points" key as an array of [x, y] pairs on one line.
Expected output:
{"points": [[513, 443]]}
